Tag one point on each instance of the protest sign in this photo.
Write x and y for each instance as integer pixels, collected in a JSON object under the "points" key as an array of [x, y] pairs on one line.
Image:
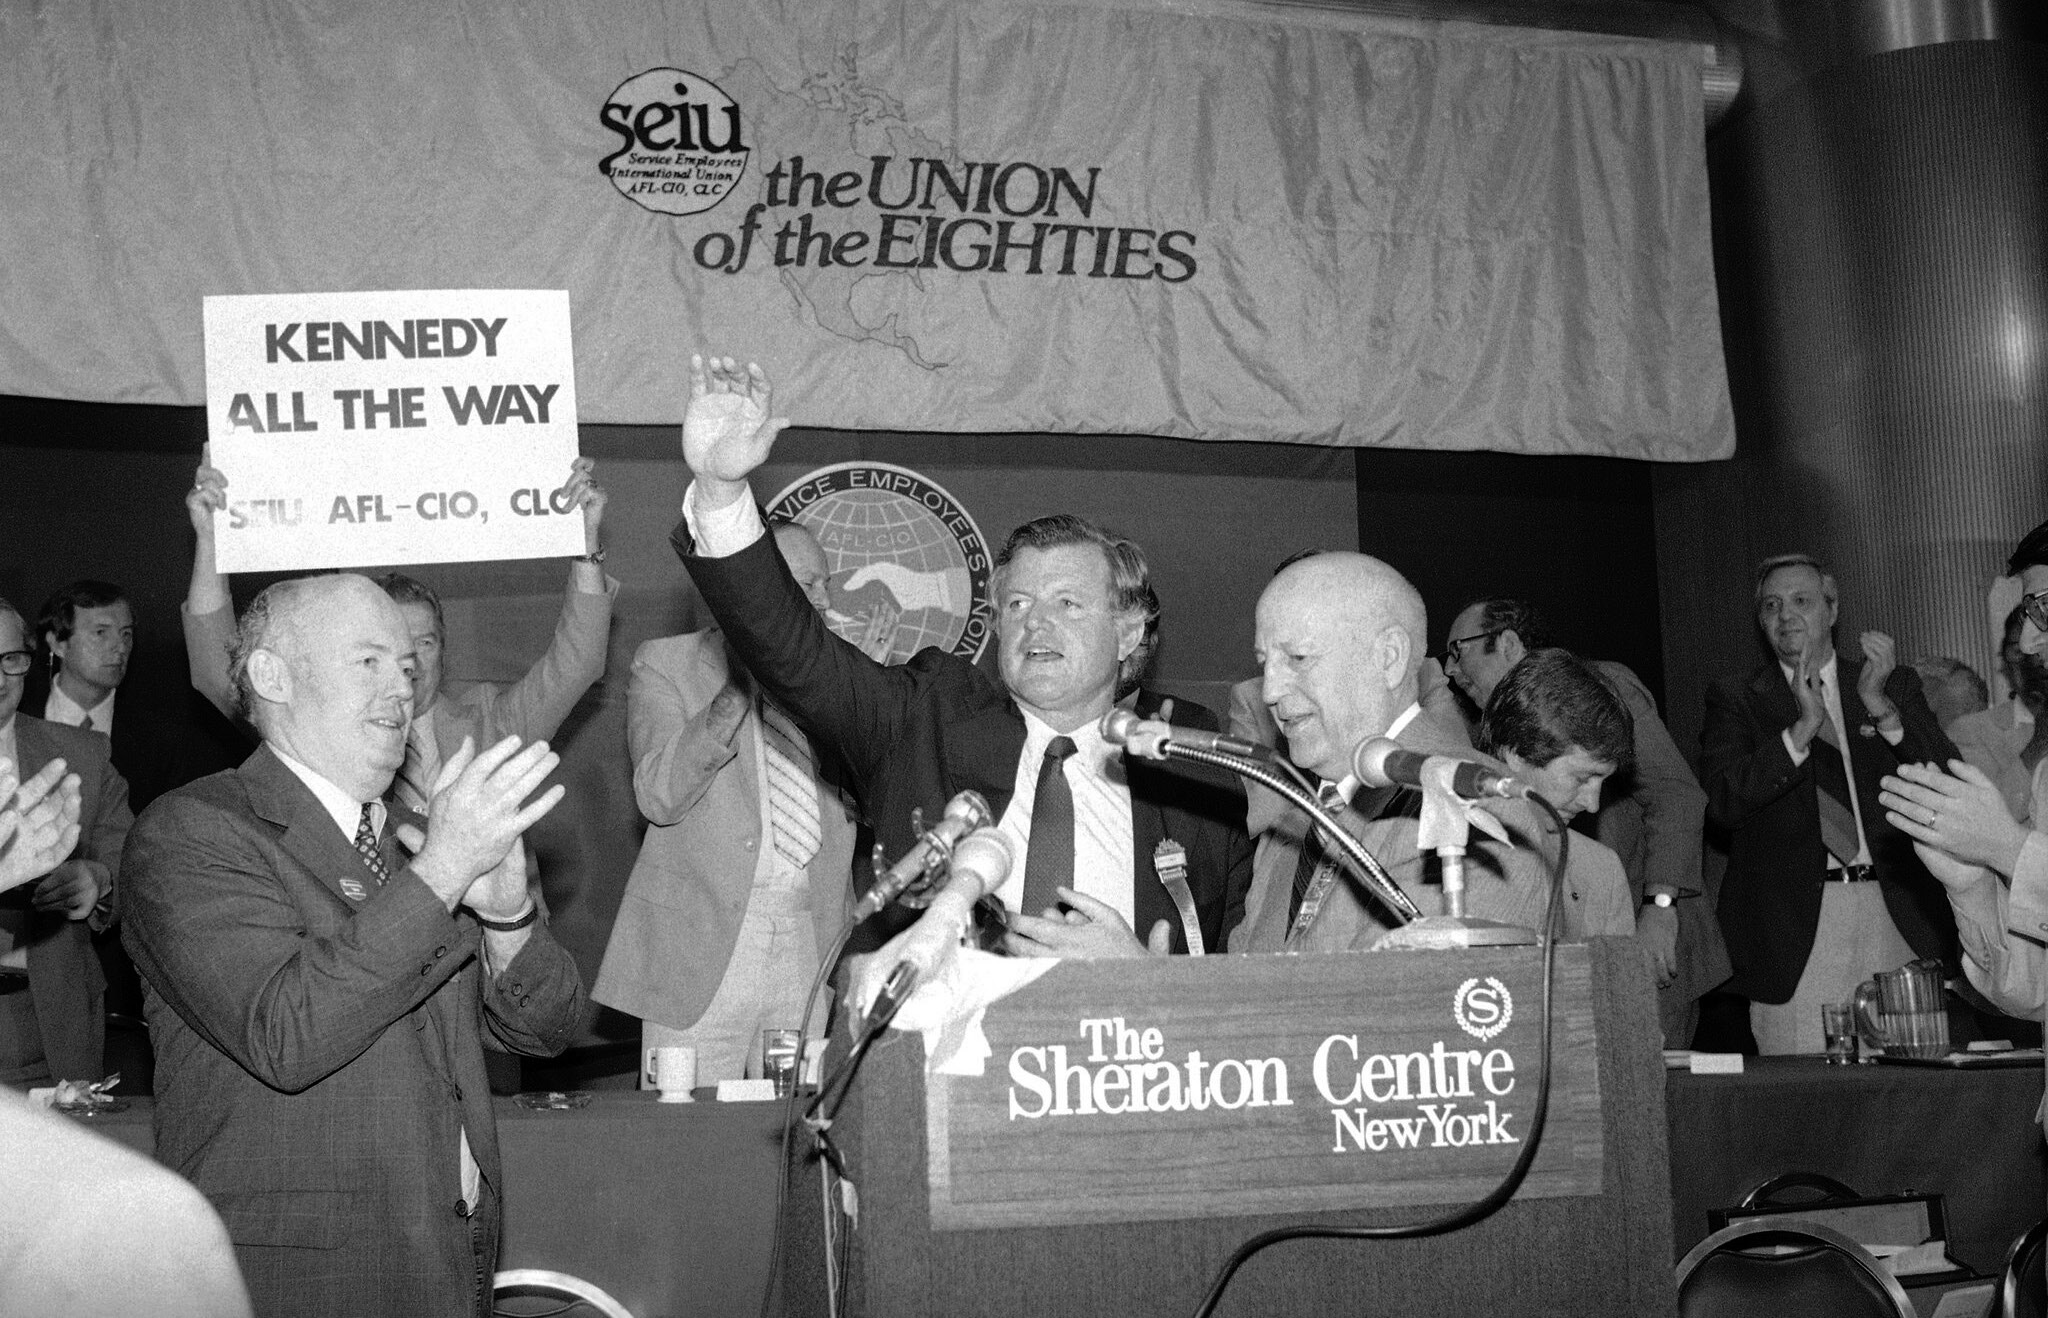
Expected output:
{"points": [[395, 427]]}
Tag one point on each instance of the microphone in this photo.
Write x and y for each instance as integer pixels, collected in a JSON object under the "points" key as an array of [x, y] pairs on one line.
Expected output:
{"points": [[1384, 762], [982, 860], [964, 814], [1151, 739], [980, 864]]}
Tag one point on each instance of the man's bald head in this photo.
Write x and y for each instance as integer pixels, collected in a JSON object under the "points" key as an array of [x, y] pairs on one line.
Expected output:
{"points": [[1339, 639]]}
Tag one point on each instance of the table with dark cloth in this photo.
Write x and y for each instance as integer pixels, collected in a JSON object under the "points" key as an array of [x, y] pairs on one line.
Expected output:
{"points": [[1879, 1128], [668, 1206]]}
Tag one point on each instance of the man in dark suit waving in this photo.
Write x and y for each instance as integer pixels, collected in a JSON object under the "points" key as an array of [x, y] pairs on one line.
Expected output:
{"points": [[1821, 889], [318, 999], [1100, 844]]}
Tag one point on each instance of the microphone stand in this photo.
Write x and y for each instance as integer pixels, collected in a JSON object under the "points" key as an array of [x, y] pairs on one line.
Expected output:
{"points": [[1361, 861], [1446, 823]]}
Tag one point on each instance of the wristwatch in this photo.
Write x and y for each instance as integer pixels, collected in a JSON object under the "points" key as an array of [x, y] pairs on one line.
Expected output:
{"points": [[1663, 899], [594, 556], [517, 922]]}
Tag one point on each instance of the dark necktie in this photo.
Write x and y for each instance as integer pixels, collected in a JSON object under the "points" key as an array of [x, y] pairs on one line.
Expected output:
{"points": [[366, 846], [1830, 775], [1049, 852], [1314, 856]]}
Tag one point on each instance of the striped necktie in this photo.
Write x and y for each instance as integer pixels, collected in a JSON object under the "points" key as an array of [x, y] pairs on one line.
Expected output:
{"points": [[422, 765], [366, 845], [793, 823], [1830, 775]]}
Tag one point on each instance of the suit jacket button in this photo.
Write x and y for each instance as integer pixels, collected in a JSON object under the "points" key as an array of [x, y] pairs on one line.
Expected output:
{"points": [[440, 952], [461, 1208], [518, 989], [427, 969]]}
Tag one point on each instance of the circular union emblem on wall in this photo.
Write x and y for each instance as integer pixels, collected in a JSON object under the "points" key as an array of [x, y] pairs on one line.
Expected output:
{"points": [[1483, 1007], [909, 566], [680, 147]]}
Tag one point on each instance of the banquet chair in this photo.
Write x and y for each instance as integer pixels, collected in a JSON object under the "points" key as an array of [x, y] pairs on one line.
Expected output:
{"points": [[2023, 1291], [1746, 1269], [1795, 1189], [542, 1293]]}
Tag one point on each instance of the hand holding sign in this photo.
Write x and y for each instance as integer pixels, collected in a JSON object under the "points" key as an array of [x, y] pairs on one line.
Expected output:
{"points": [[396, 426], [727, 431], [584, 492]]}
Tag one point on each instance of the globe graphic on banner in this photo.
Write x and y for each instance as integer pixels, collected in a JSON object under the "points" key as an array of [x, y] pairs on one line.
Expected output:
{"points": [[909, 566]]}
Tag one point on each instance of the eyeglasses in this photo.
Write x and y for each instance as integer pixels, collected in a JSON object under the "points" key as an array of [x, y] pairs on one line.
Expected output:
{"points": [[1454, 649], [2036, 606], [13, 663]]}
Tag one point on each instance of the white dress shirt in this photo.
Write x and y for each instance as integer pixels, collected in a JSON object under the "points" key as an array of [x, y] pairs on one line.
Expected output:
{"points": [[61, 708], [1102, 816]]}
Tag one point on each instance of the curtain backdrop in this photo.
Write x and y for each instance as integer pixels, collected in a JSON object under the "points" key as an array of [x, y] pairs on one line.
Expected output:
{"points": [[1214, 220]]}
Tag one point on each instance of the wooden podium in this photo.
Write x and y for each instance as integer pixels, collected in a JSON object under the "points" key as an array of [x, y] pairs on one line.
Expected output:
{"points": [[1136, 1120]]}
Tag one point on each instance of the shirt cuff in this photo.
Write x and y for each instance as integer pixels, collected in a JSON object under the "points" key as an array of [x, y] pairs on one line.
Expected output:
{"points": [[1797, 753], [721, 532], [1895, 736]]}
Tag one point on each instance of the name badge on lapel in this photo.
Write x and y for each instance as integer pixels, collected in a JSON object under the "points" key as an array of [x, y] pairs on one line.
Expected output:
{"points": [[1170, 862]]}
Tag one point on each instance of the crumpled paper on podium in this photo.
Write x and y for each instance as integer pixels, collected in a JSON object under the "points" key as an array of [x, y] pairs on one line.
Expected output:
{"points": [[948, 1008]]}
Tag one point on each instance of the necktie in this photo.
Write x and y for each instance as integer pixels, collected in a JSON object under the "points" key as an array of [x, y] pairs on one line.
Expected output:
{"points": [[1830, 775], [366, 845], [85, 721], [422, 765], [1314, 855], [1049, 851], [793, 825]]}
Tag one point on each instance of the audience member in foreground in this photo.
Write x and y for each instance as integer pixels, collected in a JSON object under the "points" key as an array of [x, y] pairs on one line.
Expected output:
{"points": [[318, 1000], [1821, 890], [1960, 826], [87, 1226], [744, 874], [531, 709], [52, 989], [38, 821], [1651, 816], [1340, 637], [1088, 826]]}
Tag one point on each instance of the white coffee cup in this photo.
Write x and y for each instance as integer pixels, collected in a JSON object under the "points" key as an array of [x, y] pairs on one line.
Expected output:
{"points": [[672, 1069]]}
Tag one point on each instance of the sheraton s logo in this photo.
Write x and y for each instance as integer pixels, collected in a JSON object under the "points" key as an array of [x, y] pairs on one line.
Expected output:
{"points": [[1483, 1007], [680, 147]]}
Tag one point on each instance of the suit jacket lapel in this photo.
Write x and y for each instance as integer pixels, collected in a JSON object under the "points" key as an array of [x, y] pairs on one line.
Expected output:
{"points": [[33, 745], [1149, 899], [987, 743], [1776, 705], [309, 833]]}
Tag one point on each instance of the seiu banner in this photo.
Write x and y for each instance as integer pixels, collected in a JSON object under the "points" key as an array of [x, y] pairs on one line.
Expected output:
{"points": [[1223, 222]]}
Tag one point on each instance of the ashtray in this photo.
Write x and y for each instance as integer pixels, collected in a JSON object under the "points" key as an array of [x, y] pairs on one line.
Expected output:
{"points": [[553, 1100]]}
